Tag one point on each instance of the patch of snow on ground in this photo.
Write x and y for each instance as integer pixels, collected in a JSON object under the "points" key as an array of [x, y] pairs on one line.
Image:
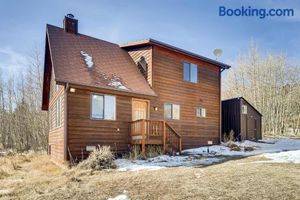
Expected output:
{"points": [[120, 197], [88, 59], [283, 157], [264, 146], [214, 154]]}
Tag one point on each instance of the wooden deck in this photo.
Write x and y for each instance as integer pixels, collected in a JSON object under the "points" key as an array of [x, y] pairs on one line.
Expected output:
{"points": [[155, 132]]}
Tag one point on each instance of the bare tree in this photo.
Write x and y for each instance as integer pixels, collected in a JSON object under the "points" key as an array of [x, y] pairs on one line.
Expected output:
{"points": [[271, 85]]}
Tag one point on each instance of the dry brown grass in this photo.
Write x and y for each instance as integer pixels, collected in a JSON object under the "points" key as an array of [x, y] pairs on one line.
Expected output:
{"points": [[236, 179]]}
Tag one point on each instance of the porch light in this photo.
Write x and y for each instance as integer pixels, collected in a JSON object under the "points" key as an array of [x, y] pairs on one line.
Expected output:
{"points": [[72, 90], [155, 108]]}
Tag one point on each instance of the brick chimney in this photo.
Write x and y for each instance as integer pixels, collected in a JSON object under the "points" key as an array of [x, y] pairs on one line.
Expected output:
{"points": [[70, 24]]}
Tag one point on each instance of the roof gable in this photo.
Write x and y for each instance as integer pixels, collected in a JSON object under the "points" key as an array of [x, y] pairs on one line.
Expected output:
{"points": [[112, 66], [242, 98]]}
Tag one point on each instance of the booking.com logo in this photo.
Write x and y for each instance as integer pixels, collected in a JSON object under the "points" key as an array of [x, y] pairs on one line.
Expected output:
{"points": [[261, 13]]}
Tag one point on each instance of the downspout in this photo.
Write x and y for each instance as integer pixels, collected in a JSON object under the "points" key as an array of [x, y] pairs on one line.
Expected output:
{"points": [[220, 86], [220, 131]]}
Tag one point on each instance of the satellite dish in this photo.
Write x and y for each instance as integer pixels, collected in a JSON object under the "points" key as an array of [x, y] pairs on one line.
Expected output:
{"points": [[218, 53]]}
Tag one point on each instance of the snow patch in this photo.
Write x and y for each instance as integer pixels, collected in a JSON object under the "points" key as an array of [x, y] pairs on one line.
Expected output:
{"points": [[88, 59], [263, 146], [120, 197], [116, 83], [283, 157], [217, 153]]}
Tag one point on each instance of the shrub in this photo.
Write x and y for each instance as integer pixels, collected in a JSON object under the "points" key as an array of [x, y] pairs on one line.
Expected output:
{"points": [[229, 137], [101, 158], [249, 148], [233, 146], [135, 153], [154, 150]]}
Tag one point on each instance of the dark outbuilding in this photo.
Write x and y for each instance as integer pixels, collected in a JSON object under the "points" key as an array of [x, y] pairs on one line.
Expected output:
{"points": [[241, 117]]}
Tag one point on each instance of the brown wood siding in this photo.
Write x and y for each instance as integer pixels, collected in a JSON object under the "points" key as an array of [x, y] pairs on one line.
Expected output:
{"points": [[248, 123], [137, 53], [84, 131], [56, 134], [169, 85]]}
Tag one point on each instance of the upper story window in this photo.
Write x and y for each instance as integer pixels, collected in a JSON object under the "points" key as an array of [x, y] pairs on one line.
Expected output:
{"points": [[171, 111], [190, 72], [200, 112], [103, 107]]}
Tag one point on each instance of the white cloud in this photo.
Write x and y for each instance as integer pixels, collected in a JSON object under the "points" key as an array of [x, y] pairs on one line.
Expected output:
{"points": [[11, 62]]}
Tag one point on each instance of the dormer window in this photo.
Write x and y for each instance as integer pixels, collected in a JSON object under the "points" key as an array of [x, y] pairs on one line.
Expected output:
{"points": [[143, 66]]}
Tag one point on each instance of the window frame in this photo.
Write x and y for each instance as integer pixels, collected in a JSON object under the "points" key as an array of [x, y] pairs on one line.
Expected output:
{"points": [[244, 109], [201, 108], [58, 114], [190, 70], [57, 87], [50, 118], [103, 118], [172, 111]]}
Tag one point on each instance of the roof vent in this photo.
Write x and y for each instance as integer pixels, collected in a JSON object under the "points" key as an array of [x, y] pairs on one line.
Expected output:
{"points": [[70, 24]]}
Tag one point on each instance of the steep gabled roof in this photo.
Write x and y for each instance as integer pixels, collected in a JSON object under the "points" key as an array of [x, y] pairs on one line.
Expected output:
{"points": [[151, 41], [112, 64]]}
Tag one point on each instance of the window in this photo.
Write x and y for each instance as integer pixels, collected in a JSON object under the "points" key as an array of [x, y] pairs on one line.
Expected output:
{"points": [[172, 111], [57, 88], [244, 109], [51, 118], [51, 90], [103, 107], [200, 112], [58, 112], [190, 72]]}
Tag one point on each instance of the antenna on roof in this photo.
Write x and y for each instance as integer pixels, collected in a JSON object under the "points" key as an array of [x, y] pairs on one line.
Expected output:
{"points": [[218, 53]]}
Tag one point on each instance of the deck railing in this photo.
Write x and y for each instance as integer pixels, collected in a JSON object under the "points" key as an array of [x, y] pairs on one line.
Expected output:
{"points": [[173, 139], [150, 131]]}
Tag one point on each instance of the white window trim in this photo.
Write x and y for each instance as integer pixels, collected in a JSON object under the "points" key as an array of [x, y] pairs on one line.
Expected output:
{"points": [[91, 107], [244, 109], [172, 111], [58, 114], [202, 109]]}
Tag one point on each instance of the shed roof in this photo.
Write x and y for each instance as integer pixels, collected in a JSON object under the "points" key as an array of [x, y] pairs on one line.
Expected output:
{"points": [[239, 98]]}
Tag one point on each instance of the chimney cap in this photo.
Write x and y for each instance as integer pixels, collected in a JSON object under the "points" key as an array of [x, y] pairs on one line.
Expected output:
{"points": [[71, 16]]}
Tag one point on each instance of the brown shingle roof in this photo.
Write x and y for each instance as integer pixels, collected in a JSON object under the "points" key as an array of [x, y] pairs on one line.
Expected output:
{"points": [[110, 62], [151, 41]]}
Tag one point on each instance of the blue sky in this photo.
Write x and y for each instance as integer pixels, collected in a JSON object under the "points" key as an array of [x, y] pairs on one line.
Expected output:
{"points": [[193, 25]]}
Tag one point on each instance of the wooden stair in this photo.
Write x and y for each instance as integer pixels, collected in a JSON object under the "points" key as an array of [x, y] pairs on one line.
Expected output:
{"points": [[156, 132]]}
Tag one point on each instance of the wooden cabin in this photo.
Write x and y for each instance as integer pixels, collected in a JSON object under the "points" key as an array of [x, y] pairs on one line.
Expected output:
{"points": [[241, 117], [140, 93]]}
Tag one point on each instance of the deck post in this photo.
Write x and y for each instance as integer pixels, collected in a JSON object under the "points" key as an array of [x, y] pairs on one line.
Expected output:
{"points": [[164, 136], [143, 137], [180, 145]]}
